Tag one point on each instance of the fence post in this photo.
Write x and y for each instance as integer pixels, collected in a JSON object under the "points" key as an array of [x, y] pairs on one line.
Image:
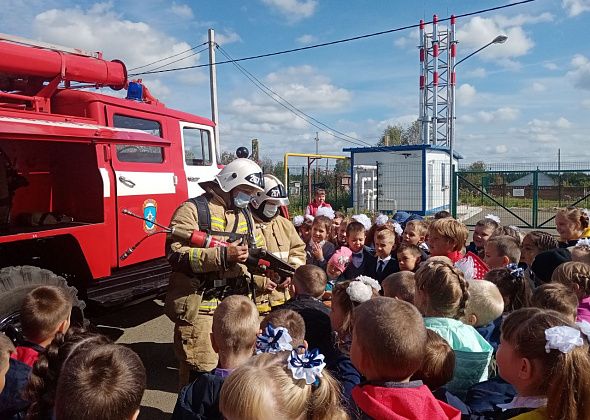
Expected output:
{"points": [[536, 198], [377, 184], [455, 195], [336, 188], [301, 189]]}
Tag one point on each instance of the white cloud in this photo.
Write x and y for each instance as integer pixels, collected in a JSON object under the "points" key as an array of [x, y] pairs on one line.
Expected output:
{"points": [[303, 87], [478, 73], [586, 103], [550, 66], [580, 73], [478, 31], [409, 41], [293, 10], [538, 87], [545, 131], [501, 149], [575, 7], [563, 123], [101, 29], [182, 10], [306, 39], [465, 94], [499, 115], [227, 37]]}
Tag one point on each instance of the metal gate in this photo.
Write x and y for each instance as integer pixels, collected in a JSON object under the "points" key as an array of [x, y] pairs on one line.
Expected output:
{"points": [[523, 198]]}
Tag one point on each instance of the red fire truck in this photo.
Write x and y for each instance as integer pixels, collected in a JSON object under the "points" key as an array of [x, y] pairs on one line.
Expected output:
{"points": [[71, 160]]}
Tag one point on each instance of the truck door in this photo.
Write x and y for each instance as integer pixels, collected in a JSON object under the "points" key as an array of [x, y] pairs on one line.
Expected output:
{"points": [[145, 185], [199, 156]]}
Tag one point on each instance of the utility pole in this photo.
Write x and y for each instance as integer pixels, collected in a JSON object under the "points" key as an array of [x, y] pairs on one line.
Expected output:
{"points": [[317, 148], [213, 85]]}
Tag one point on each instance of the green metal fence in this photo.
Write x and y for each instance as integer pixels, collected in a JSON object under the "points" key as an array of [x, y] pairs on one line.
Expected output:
{"points": [[523, 198]]}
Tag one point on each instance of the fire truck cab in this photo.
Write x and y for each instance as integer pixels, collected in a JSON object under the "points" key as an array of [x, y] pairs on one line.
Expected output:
{"points": [[72, 160]]}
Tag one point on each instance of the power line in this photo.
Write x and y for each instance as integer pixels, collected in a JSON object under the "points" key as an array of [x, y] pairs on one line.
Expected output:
{"points": [[290, 107], [180, 59], [293, 106], [169, 57], [340, 41]]}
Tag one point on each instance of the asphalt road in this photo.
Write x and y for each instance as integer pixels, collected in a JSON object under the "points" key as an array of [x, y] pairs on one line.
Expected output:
{"points": [[148, 332]]}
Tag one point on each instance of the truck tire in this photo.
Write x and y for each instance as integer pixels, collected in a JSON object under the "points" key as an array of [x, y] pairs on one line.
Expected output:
{"points": [[16, 282]]}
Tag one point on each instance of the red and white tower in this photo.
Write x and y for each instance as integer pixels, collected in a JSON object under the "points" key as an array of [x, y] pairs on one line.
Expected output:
{"points": [[437, 79]]}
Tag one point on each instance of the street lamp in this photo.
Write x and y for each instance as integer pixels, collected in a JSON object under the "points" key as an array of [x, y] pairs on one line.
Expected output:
{"points": [[500, 39]]}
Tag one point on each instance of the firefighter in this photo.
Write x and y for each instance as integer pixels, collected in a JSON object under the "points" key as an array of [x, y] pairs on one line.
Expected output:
{"points": [[202, 277], [280, 237]]}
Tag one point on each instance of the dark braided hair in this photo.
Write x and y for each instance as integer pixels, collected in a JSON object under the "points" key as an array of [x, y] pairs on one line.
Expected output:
{"points": [[514, 287], [40, 390]]}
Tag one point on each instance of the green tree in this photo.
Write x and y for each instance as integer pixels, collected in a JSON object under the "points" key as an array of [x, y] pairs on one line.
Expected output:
{"points": [[411, 134], [342, 167], [398, 134], [226, 157]]}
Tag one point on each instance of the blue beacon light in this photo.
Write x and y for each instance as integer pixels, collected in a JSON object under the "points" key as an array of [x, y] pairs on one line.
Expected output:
{"points": [[135, 91]]}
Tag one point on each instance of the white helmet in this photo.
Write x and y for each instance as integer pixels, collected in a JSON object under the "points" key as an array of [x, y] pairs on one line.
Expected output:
{"points": [[274, 191], [240, 171]]}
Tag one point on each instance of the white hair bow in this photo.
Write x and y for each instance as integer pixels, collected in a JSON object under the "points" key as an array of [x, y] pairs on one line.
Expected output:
{"points": [[363, 219], [307, 365], [325, 211], [369, 281], [398, 228], [381, 219], [359, 292], [492, 217], [563, 338], [298, 221]]}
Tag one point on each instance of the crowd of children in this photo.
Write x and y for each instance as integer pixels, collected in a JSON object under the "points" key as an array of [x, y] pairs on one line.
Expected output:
{"points": [[391, 318]]}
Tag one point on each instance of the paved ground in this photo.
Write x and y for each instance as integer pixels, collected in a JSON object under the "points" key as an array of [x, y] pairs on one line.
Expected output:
{"points": [[148, 332]]}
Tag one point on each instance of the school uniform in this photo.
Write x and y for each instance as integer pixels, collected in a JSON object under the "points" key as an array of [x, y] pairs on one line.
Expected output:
{"points": [[361, 263], [384, 267]]}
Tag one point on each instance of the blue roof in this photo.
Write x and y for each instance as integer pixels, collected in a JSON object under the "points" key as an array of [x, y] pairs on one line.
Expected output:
{"points": [[401, 148]]}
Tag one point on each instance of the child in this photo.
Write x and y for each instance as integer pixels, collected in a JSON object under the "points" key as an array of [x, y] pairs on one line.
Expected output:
{"points": [[557, 297], [337, 265], [336, 222], [319, 249], [501, 251], [235, 325], [443, 214], [513, 285], [576, 276], [533, 243], [361, 261], [437, 370], [291, 321], [342, 232], [581, 251], [415, 234], [319, 201], [6, 350], [105, 382], [484, 310], [511, 231], [269, 387], [309, 284], [346, 296], [483, 231], [401, 286], [549, 374], [305, 228], [409, 257], [441, 296], [571, 224], [45, 311], [446, 237], [40, 390], [385, 263], [387, 356]]}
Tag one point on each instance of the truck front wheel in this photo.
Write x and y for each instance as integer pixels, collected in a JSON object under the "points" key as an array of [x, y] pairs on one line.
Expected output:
{"points": [[16, 282]]}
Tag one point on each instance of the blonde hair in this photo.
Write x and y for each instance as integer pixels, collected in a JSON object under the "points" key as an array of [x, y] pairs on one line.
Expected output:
{"points": [[235, 324], [580, 254], [381, 328], [310, 280], [324, 221], [573, 273], [444, 287], [264, 388], [485, 302], [438, 366], [385, 234], [506, 246], [6, 349], [420, 226], [452, 230], [574, 214], [401, 285], [565, 375]]}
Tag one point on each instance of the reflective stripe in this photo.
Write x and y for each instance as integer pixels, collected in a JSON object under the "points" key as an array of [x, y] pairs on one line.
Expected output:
{"points": [[296, 261], [209, 305], [194, 258], [260, 240], [263, 308]]}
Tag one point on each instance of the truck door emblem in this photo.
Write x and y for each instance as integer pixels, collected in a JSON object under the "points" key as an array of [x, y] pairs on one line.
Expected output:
{"points": [[150, 211]]}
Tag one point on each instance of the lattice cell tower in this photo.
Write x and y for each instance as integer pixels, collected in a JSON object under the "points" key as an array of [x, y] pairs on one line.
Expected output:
{"points": [[437, 83]]}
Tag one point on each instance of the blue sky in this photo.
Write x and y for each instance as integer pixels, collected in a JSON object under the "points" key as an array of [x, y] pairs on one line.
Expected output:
{"points": [[519, 101]]}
